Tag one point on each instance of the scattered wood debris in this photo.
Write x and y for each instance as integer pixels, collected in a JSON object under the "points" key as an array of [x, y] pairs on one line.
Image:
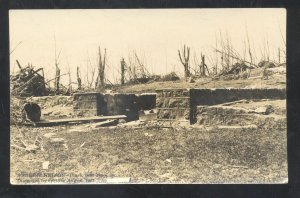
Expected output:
{"points": [[28, 82], [105, 123]]}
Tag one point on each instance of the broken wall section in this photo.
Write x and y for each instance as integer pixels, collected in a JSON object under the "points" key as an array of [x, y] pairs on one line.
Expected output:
{"points": [[219, 96]]}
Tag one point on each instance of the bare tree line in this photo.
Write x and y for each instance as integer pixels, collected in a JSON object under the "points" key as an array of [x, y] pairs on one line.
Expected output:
{"points": [[134, 70]]}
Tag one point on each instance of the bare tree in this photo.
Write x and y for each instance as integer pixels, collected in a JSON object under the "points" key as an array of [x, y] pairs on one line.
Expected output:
{"points": [[101, 69], [184, 57]]}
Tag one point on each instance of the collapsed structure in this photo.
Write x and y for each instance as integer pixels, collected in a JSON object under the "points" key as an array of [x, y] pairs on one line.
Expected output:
{"points": [[172, 105], [28, 82]]}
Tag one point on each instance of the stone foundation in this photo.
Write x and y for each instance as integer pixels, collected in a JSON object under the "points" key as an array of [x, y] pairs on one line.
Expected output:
{"points": [[173, 104], [219, 96], [95, 104], [234, 116], [87, 104]]}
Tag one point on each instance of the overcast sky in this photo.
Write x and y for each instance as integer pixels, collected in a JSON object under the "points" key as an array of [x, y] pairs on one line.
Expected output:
{"points": [[155, 34]]}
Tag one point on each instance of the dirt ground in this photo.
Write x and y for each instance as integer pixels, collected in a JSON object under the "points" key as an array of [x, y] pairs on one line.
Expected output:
{"points": [[152, 155]]}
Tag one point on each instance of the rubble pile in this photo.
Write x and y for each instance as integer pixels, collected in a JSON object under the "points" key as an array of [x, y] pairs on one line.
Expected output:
{"points": [[28, 82]]}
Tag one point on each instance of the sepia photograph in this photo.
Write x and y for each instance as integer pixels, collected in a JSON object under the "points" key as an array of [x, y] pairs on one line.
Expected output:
{"points": [[148, 96]]}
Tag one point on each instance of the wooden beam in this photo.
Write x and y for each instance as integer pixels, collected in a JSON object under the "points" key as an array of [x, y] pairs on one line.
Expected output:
{"points": [[85, 119]]}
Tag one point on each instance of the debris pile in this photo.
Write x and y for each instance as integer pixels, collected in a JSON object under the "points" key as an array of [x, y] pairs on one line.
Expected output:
{"points": [[22, 111], [237, 71], [28, 82], [170, 77]]}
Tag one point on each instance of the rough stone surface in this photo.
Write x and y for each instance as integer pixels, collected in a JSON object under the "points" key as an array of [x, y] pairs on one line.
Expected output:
{"points": [[173, 104], [87, 104]]}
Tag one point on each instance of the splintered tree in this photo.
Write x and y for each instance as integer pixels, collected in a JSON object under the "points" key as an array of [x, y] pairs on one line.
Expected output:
{"points": [[184, 57], [101, 69], [78, 79], [203, 67], [57, 69], [123, 64]]}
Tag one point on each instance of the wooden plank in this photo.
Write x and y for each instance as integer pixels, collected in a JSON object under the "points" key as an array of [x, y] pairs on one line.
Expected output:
{"points": [[173, 108], [85, 119]]}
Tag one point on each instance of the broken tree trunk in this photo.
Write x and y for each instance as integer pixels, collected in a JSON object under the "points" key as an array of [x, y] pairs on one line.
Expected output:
{"points": [[184, 59], [123, 71], [78, 79], [57, 79], [101, 69], [203, 67]]}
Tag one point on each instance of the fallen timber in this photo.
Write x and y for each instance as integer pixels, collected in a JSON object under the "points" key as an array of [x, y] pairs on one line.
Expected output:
{"points": [[76, 120]]}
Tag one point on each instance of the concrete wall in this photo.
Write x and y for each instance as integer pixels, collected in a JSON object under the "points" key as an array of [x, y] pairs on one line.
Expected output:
{"points": [[121, 104], [93, 103]]}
